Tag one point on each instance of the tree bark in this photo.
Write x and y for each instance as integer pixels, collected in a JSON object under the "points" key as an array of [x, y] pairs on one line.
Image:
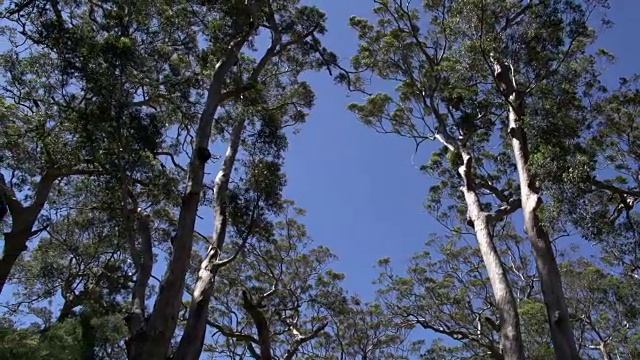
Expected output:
{"points": [[162, 322], [510, 333], [557, 313], [192, 339], [143, 260], [511, 338], [23, 220], [15, 243]]}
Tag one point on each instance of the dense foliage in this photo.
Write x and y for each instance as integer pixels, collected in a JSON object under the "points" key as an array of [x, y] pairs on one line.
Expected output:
{"points": [[124, 125]]}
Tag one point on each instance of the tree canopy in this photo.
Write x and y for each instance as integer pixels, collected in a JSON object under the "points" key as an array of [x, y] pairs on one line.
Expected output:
{"points": [[143, 202]]}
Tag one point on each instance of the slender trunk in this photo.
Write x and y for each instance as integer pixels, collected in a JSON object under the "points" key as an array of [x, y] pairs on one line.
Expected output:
{"points": [[161, 324], [192, 339], [511, 338], [557, 314], [143, 260]]}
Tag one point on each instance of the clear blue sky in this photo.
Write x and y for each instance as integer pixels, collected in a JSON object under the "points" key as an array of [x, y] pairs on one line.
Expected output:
{"points": [[363, 195]]}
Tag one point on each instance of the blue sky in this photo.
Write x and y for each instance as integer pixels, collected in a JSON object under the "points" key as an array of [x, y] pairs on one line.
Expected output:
{"points": [[363, 195]]}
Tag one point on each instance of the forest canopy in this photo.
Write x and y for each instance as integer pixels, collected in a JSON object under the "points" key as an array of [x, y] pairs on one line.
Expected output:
{"points": [[143, 181]]}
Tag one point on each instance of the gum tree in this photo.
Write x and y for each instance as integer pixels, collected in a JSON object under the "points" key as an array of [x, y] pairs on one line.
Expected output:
{"points": [[482, 78], [185, 74]]}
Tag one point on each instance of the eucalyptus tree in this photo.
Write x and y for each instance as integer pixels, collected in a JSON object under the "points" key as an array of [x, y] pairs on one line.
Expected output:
{"points": [[444, 292], [272, 302], [134, 82], [68, 108], [484, 78]]}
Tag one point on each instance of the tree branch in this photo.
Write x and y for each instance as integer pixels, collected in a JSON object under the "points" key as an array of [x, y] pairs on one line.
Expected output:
{"points": [[499, 194], [301, 340], [232, 334], [173, 159], [261, 324], [252, 224], [512, 206]]}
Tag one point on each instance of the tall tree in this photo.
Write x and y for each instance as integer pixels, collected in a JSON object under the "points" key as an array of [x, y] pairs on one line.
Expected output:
{"points": [[444, 292], [434, 85], [480, 73], [127, 84]]}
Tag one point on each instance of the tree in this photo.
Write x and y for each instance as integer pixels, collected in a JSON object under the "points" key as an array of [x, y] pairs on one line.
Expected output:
{"points": [[272, 302], [444, 291], [146, 102], [479, 74]]}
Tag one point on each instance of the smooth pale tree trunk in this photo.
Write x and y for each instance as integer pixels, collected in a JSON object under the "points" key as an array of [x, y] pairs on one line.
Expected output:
{"points": [[510, 333], [557, 314], [511, 338], [156, 337], [192, 339]]}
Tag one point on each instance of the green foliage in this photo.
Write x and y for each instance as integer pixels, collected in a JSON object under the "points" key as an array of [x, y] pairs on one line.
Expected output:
{"points": [[60, 341], [101, 102]]}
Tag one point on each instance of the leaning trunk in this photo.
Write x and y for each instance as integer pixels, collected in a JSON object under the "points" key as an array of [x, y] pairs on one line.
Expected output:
{"points": [[557, 314], [23, 220], [155, 339], [15, 243], [192, 339], [511, 338]]}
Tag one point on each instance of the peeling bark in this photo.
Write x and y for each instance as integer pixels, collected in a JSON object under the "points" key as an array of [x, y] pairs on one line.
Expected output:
{"points": [[562, 336]]}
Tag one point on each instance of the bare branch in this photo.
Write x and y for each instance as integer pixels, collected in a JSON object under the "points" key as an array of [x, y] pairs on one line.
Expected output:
{"points": [[232, 334], [301, 340]]}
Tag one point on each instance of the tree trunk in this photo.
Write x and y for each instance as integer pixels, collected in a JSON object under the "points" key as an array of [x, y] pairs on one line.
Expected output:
{"points": [[160, 327], [23, 220], [15, 243], [143, 260], [511, 338], [557, 314], [192, 339]]}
